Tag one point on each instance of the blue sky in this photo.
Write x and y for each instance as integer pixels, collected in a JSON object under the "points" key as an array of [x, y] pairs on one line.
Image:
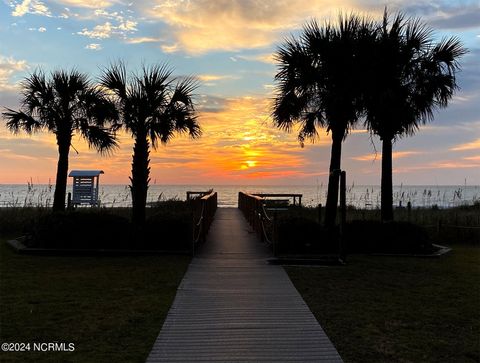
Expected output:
{"points": [[228, 45]]}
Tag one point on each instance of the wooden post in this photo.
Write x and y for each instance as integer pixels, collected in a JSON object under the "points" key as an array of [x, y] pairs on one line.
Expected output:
{"points": [[69, 201], [96, 192], [439, 228], [274, 237], [343, 198], [193, 233], [343, 214]]}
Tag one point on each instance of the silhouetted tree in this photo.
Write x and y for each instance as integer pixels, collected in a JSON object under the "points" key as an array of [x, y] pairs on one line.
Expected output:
{"points": [[64, 104], [409, 77], [318, 85], [153, 107]]}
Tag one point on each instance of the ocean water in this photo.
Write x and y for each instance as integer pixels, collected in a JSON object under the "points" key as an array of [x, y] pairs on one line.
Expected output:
{"points": [[361, 196]]}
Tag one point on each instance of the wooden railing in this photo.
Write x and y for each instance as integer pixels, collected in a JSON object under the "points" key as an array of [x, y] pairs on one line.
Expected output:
{"points": [[204, 209], [253, 208], [296, 198], [198, 194]]}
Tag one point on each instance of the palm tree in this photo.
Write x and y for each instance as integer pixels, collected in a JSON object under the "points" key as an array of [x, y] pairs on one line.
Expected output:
{"points": [[409, 78], [318, 86], [153, 107], [64, 104]]}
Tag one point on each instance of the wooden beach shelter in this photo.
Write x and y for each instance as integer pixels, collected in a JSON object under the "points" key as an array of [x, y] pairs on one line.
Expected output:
{"points": [[85, 187]]}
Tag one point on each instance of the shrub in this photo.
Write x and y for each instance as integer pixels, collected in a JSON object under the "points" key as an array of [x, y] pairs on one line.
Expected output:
{"points": [[168, 227], [18, 220], [167, 230], [392, 237], [299, 235], [85, 229]]}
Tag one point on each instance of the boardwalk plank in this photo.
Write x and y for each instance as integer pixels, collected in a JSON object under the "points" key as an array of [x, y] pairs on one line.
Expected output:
{"points": [[233, 307]]}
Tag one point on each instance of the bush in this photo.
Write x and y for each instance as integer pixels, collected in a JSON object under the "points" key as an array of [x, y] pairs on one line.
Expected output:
{"points": [[392, 237], [299, 235], [168, 227], [168, 230], [18, 220], [86, 229]]}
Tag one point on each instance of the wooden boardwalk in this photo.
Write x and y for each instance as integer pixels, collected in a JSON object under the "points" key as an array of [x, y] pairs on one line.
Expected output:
{"points": [[233, 307]]}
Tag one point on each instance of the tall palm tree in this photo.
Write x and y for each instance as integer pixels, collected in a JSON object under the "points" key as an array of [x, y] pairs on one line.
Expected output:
{"points": [[153, 107], [64, 103], [409, 77], [318, 86]]}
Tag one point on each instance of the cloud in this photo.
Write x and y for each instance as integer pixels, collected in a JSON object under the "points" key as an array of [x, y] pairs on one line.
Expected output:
{"points": [[211, 104], [30, 7], [378, 156], [90, 4], [93, 46], [203, 25], [42, 29], [8, 67], [172, 48], [140, 40], [264, 58], [99, 31], [128, 26], [464, 17], [474, 145], [107, 29], [214, 77]]}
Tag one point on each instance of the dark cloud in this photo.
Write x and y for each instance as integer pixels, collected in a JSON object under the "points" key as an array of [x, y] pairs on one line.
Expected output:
{"points": [[469, 76], [209, 103], [443, 15], [22, 146], [9, 98], [465, 19]]}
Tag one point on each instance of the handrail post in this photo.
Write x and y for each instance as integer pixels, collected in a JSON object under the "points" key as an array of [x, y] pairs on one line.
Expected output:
{"points": [[207, 206], [275, 234], [343, 213]]}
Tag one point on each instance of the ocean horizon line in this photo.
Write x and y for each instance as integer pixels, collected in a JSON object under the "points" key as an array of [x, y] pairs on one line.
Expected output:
{"points": [[260, 185]]}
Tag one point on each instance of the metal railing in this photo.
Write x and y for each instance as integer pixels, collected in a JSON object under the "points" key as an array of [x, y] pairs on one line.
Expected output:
{"points": [[204, 209]]}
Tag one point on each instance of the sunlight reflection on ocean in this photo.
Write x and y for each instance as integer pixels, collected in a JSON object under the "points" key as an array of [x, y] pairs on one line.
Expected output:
{"points": [[361, 196]]}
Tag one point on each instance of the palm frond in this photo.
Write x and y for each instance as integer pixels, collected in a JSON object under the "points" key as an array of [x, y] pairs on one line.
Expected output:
{"points": [[99, 138], [447, 52], [98, 107], [114, 78], [18, 120]]}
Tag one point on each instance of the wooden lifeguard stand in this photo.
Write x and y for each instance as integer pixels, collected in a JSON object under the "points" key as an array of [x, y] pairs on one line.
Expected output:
{"points": [[85, 187]]}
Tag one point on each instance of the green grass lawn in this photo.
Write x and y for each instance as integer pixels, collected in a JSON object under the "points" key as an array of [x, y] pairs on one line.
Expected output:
{"points": [[391, 309], [111, 308]]}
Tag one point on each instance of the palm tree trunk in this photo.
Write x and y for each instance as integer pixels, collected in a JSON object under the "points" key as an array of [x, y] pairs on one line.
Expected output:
{"points": [[333, 179], [62, 175], [387, 184], [140, 178]]}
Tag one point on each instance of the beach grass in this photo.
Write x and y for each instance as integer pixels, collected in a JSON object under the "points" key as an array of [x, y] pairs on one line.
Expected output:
{"points": [[111, 308], [398, 309]]}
